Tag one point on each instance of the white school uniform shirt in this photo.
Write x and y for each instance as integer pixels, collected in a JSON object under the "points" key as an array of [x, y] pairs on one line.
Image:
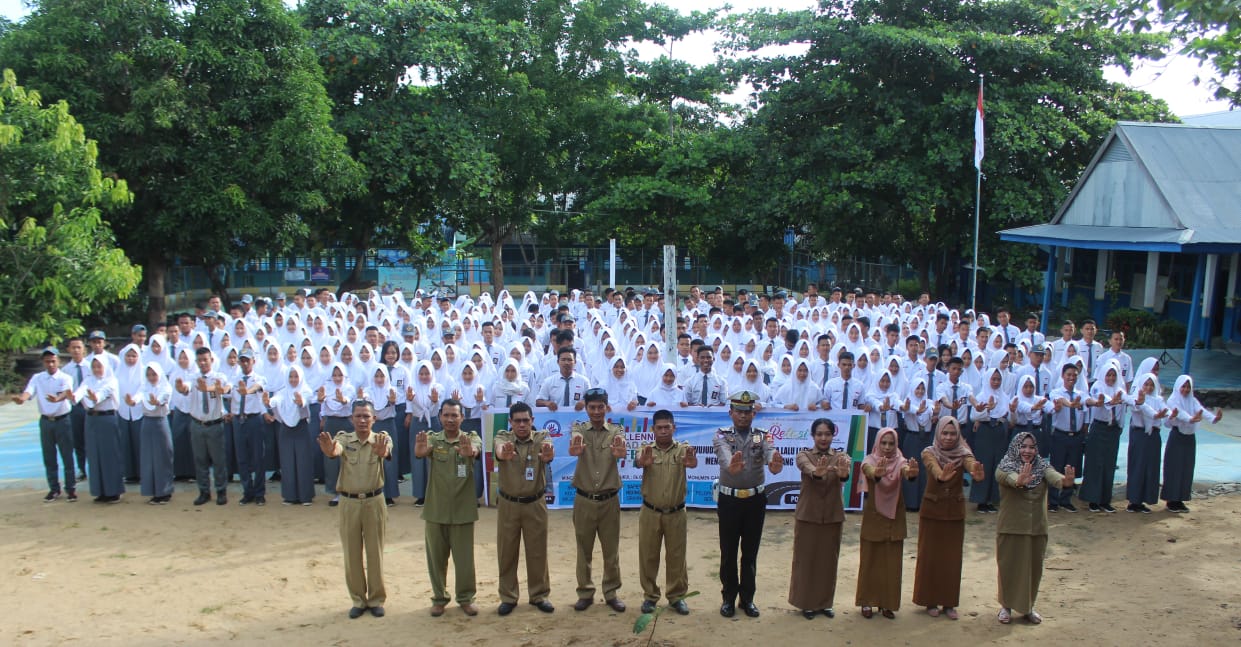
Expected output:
{"points": [[834, 393], [254, 401], [43, 384], [1035, 338], [1122, 358], [553, 389], [716, 389], [944, 393]]}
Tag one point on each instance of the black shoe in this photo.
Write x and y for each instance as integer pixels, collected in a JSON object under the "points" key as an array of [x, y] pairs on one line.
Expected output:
{"points": [[583, 604], [680, 607], [116, 498], [750, 609], [506, 608], [1141, 508], [1068, 507], [389, 501], [103, 499], [401, 480], [1052, 507], [71, 496], [221, 499], [203, 497], [543, 605], [246, 500], [378, 612], [828, 612], [728, 610], [1107, 507], [1094, 507], [1133, 507], [333, 503], [418, 503], [648, 606], [808, 614], [81, 476], [153, 501], [982, 508], [275, 477], [356, 612], [260, 500], [51, 496], [616, 605]]}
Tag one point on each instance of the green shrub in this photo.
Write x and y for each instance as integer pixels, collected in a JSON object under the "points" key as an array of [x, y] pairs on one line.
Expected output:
{"points": [[1129, 320], [1171, 333]]}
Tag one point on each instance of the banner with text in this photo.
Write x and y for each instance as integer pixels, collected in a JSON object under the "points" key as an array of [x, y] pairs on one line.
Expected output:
{"points": [[698, 427]]}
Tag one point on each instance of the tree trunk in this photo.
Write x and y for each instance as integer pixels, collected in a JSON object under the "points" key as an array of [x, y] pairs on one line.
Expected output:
{"points": [[354, 281], [924, 275], [497, 265], [219, 286], [155, 271]]}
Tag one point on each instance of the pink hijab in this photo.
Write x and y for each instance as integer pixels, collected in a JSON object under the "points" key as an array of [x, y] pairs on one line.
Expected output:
{"points": [[888, 484]]}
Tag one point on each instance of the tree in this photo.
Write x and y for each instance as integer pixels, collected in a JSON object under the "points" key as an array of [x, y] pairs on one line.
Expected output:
{"points": [[873, 124], [215, 111], [57, 260]]}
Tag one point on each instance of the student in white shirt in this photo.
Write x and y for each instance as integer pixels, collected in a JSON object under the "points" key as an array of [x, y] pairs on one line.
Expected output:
{"points": [[155, 448], [1186, 413], [52, 390], [99, 395], [1145, 444]]}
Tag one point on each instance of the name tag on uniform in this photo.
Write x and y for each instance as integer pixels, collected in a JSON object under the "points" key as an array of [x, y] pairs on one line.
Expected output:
{"points": [[461, 471], [529, 473]]}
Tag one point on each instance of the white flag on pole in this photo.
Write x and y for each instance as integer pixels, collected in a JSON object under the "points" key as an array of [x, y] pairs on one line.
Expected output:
{"points": [[978, 131]]}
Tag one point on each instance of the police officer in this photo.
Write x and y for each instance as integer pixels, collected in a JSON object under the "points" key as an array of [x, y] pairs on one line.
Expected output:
{"points": [[662, 519], [451, 506], [521, 455], [742, 451], [363, 515], [596, 509]]}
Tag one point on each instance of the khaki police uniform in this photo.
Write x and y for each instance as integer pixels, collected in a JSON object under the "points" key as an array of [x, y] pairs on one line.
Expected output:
{"points": [[522, 516], [450, 512], [363, 516], [662, 520], [742, 508], [596, 509]]}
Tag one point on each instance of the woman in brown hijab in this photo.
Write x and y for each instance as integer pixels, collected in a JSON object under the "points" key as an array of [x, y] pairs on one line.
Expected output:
{"points": [[883, 526], [941, 519], [1021, 530], [818, 522]]}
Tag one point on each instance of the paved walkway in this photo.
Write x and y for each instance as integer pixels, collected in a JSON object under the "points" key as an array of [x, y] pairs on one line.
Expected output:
{"points": [[1213, 369]]}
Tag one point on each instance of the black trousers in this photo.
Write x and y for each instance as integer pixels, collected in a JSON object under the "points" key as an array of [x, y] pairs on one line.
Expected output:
{"points": [[741, 521]]}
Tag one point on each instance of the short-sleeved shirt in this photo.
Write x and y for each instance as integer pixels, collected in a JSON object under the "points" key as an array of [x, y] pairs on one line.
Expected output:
{"points": [[754, 445], [361, 471], [596, 468], [525, 463], [663, 482], [450, 480], [43, 384], [553, 389]]}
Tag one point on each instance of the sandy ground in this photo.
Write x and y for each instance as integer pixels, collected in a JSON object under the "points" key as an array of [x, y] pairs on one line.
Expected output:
{"points": [[135, 574]]}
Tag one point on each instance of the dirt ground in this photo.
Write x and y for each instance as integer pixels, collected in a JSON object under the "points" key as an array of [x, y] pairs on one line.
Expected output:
{"points": [[135, 574]]}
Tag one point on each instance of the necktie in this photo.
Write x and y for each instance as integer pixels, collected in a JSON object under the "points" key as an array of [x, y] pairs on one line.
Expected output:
{"points": [[508, 400], [844, 398], [954, 397], [567, 382], [206, 404], [1037, 389], [1072, 414], [77, 380], [704, 389], [930, 385], [1089, 360], [827, 371], [891, 352], [244, 378]]}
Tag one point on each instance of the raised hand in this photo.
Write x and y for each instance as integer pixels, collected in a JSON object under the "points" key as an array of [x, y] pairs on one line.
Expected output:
{"points": [[736, 463], [1012, 406], [202, 384], [978, 472], [949, 470], [420, 445], [844, 464], [435, 394], [922, 407], [881, 465], [152, 400], [326, 444], [409, 393], [297, 399], [618, 446], [456, 394], [129, 399], [577, 445], [911, 468], [465, 446], [690, 458], [776, 464], [478, 394], [340, 396], [905, 407], [322, 394], [361, 394], [391, 396], [821, 466], [1027, 473], [506, 451], [648, 456], [1141, 398], [1070, 473], [381, 449], [547, 452]]}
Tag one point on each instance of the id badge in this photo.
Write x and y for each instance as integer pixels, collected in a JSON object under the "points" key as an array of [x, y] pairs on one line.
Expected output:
{"points": [[461, 471], [529, 473]]}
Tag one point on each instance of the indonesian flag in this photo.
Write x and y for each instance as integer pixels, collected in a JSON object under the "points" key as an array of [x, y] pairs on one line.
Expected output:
{"points": [[978, 131]]}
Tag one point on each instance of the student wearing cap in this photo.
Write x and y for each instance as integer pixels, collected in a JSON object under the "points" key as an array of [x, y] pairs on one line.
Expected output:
{"points": [[52, 389], [138, 336], [743, 451], [521, 458], [78, 368], [662, 519], [597, 444], [363, 516], [249, 430], [98, 343]]}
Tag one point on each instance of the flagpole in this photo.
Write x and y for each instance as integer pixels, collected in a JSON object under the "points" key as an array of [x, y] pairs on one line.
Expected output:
{"points": [[977, 206]]}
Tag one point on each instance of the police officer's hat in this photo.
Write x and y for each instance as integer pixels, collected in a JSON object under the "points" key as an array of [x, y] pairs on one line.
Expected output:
{"points": [[50, 350], [247, 354], [407, 329], [932, 353], [743, 401], [1038, 348], [97, 334]]}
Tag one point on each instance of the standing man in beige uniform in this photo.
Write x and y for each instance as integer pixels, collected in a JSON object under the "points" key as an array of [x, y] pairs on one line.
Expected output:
{"points": [[662, 519], [363, 515], [451, 507], [521, 457], [596, 509]]}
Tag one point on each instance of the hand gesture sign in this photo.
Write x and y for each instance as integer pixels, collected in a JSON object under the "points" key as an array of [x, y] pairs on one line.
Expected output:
{"points": [[949, 471], [1012, 406], [391, 396], [991, 403], [420, 445], [978, 472], [922, 407], [409, 393], [478, 394], [821, 466], [326, 444], [690, 459], [648, 456], [1141, 399], [905, 407], [777, 463], [1027, 473], [202, 384], [322, 394], [844, 464], [1070, 473], [618, 446], [361, 394], [94, 397], [577, 445], [465, 446], [736, 463], [546, 452], [911, 468], [506, 451], [435, 395], [1219, 414], [381, 446], [152, 400], [1116, 397], [129, 399], [297, 399], [340, 396]]}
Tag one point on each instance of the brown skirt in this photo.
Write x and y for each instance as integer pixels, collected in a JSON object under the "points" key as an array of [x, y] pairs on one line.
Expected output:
{"points": [[1020, 558], [816, 550], [937, 579], [879, 574]]}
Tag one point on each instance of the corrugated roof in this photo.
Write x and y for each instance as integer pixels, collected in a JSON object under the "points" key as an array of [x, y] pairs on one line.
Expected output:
{"points": [[1153, 186]]}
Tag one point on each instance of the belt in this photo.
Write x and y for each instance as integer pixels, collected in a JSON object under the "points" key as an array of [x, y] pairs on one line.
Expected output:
{"points": [[209, 423], [1068, 433], [364, 495], [100, 413], [663, 510], [598, 496], [54, 418], [520, 499], [742, 494]]}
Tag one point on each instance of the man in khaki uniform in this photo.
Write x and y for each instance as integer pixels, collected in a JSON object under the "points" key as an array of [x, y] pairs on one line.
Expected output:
{"points": [[521, 455], [662, 519], [451, 507], [363, 516], [596, 509]]}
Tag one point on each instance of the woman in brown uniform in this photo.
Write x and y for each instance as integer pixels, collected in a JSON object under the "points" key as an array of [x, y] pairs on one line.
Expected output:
{"points": [[941, 519], [883, 526], [819, 519], [1021, 531]]}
